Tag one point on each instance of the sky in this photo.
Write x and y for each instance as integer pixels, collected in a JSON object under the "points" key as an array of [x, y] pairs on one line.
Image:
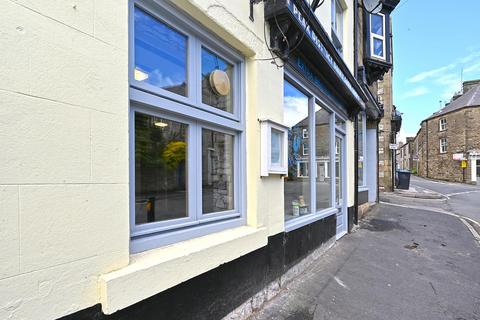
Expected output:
{"points": [[433, 41]]}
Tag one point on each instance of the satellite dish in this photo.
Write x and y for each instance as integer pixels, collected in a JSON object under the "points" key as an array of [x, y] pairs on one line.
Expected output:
{"points": [[373, 6]]}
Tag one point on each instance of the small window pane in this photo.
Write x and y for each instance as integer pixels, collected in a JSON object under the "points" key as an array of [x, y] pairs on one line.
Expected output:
{"points": [[322, 141], [210, 63], [276, 147], [160, 54], [338, 170], [160, 169], [297, 184], [361, 125], [217, 171], [378, 47], [377, 24]]}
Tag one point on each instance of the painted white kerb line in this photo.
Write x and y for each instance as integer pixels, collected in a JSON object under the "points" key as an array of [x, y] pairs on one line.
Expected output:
{"points": [[460, 193], [463, 219]]}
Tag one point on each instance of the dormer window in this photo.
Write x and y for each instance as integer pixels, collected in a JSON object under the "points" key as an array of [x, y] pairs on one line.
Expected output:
{"points": [[337, 25], [377, 36]]}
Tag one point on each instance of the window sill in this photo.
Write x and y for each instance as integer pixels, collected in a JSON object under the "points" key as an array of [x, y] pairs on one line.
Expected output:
{"points": [[154, 271], [307, 219]]}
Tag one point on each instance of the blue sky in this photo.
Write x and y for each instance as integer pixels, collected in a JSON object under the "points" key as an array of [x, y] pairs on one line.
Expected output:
{"points": [[433, 41]]}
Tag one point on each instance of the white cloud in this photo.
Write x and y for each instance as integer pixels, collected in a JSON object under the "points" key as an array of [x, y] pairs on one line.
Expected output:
{"points": [[296, 109], [473, 68], [424, 75], [419, 91], [428, 74]]}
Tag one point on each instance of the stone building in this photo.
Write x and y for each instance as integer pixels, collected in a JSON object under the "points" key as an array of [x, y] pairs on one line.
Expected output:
{"points": [[405, 155], [449, 136], [374, 127]]}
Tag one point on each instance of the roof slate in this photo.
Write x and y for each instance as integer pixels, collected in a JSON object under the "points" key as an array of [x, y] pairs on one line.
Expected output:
{"points": [[470, 98]]}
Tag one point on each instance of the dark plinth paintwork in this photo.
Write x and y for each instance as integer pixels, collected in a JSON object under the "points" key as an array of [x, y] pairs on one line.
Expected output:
{"points": [[217, 292]]}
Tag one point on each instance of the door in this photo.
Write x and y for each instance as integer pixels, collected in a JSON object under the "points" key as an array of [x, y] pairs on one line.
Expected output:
{"points": [[478, 172], [340, 186]]}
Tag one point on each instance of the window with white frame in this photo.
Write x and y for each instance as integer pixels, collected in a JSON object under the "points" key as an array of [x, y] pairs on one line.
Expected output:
{"points": [[362, 128], [443, 145], [305, 133], [442, 124], [307, 194], [186, 129], [377, 36], [337, 24]]}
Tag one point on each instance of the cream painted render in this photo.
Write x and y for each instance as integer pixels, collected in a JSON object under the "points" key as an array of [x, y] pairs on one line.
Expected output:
{"points": [[64, 175]]}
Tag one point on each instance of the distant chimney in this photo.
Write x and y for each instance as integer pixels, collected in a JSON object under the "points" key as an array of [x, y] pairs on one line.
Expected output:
{"points": [[467, 85]]}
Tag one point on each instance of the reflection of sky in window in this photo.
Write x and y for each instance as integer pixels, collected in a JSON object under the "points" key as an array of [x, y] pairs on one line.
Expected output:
{"points": [[211, 62], [160, 51], [295, 105], [377, 24], [378, 47]]}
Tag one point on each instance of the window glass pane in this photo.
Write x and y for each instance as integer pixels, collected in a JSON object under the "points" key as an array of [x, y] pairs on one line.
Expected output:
{"points": [[218, 94], [297, 184], [322, 141], [340, 123], [338, 21], [377, 24], [338, 170], [217, 171], [361, 120], [276, 147], [160, 169], [160, 54], [378, 47]]}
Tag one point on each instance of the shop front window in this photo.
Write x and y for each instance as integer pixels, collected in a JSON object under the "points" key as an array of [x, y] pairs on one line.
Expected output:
{"points": [[322, 156], [187, 157], [297, 184], [308, 188]]}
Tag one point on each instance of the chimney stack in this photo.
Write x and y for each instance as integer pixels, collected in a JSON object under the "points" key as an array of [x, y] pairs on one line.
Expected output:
{"points": [[467, 85]]}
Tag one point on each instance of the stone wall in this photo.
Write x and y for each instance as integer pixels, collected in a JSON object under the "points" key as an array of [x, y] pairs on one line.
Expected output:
{"points": [[386, 136], [461, 134]]}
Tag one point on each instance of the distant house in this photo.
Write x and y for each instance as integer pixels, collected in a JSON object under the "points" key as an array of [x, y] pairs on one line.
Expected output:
{"points": [[449, 136]]}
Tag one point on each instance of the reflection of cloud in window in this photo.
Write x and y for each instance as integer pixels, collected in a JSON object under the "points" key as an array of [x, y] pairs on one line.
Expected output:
{"points": [[157, 78], [295, 110]]}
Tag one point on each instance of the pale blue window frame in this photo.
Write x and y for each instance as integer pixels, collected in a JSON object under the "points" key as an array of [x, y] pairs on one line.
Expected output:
{"points": [[295, 79], [190, 110]]}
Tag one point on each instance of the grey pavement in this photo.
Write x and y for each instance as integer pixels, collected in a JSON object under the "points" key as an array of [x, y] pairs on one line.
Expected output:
{"points": [[401, 263]]}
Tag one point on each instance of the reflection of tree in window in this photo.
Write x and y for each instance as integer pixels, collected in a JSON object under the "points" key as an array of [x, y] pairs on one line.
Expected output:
{"points": [[160, 169], [210, 63]]}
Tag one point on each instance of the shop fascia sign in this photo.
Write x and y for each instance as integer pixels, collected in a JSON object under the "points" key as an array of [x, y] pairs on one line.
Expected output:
{"points": [[319, 45], [458, 156]]}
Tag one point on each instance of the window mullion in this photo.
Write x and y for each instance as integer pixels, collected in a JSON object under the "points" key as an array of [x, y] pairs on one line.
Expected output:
{"points": [[197, 173], [312, 154]]}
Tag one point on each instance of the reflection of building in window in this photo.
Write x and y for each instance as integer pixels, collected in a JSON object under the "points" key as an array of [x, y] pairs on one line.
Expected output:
{"points": [[302, 169], [217, 172]]}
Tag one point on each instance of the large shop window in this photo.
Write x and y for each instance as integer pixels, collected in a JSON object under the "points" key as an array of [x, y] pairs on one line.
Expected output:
{"points": [[362, 144], [187, 145], [308, 189]]}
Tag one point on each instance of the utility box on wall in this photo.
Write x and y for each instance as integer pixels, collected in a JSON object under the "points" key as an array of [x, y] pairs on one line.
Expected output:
{"points": [[274, 153]]}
